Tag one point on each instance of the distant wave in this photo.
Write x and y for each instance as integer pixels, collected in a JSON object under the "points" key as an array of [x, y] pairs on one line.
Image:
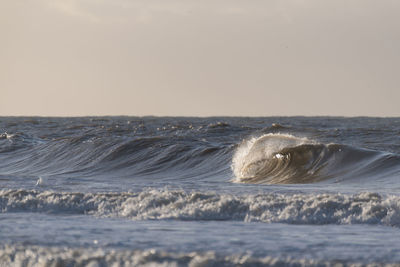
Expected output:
{"points": [[286, 159], [363, 208], [88, 155]]}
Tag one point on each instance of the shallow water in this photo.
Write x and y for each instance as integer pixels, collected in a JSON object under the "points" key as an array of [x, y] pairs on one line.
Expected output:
{"points": [[192, 191]]}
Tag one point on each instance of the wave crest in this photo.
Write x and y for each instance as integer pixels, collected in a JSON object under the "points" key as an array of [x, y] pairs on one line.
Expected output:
{"points": [[286, 159]]}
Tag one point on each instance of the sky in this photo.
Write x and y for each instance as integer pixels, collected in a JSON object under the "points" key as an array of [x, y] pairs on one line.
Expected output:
{"points": [[200, 57]]}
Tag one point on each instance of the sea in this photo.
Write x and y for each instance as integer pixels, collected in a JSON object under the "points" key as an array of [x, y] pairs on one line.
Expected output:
{"points": [[189, 191]]}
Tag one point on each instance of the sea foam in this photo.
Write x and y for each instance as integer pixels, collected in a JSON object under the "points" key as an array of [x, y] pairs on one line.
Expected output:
{"points": [[14, 255], [362, 208]]}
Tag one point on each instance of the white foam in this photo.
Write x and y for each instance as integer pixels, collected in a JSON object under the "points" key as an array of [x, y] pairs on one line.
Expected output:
{"points": [[6, 136], [17, 255], [364, 208], [256, 149]]}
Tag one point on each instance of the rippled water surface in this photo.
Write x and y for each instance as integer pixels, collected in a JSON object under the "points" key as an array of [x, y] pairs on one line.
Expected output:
{"points": [[193, 191]]}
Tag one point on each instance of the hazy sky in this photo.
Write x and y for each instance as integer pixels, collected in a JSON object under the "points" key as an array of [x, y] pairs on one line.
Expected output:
{"points": [[200, 57]]}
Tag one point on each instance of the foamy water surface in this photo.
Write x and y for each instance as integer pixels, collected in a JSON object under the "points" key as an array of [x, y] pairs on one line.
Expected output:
{"points": [[199, 191]]}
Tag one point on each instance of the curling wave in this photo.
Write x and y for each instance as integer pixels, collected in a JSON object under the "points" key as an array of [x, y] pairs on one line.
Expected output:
{"points": [[286, 159]]}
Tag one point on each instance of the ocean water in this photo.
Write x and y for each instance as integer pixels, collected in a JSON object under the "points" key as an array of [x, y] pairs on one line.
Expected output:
{"points": [[220, 191]]}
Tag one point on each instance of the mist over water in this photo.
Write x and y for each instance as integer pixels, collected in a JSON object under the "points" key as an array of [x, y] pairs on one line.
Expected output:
{"points": [[140, 185]]}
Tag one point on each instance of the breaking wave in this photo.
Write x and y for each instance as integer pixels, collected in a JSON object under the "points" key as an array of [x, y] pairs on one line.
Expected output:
{"points": [[17, 255], [272, 158], [313, 209], [286, 159]]}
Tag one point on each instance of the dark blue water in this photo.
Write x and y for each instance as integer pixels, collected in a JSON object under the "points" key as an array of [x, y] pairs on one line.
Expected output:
{"points": [[193, 191]]}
